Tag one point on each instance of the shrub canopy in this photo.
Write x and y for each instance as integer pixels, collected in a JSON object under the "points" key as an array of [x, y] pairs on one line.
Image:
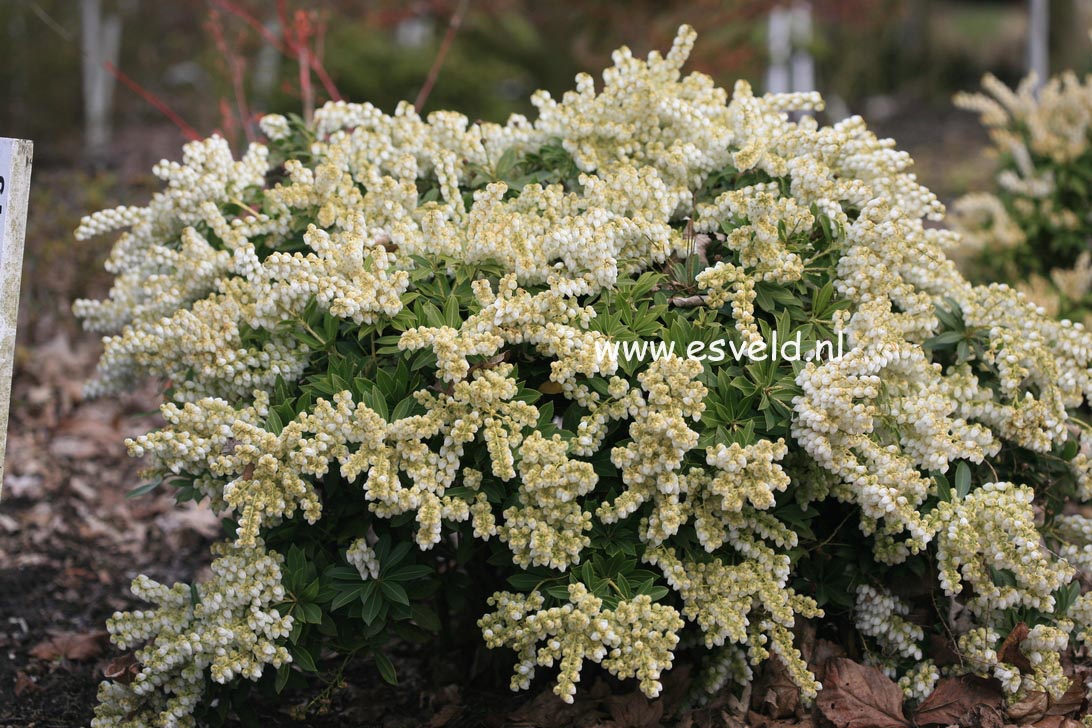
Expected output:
{"points": [[386, 341]]}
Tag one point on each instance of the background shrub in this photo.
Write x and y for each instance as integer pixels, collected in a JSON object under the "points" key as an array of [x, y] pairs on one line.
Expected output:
{"points": [[1035, 229]]}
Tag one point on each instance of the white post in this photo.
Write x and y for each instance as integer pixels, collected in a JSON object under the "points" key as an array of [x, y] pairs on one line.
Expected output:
{"points": [[1039, 40], [803, 64], [101, 41], [15, 161], [266, 69], [779, 45]]}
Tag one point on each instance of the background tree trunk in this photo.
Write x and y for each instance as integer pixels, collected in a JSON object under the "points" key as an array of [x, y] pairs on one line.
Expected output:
{"points": [[101, 44]]}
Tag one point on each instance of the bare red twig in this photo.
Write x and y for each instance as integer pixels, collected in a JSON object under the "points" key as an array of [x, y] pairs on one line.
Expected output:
{"points": [[227, 119], [257, 25], [236, 70], [158, 103], [316, 61], [301, 33], [441, 55], [285, 44]]}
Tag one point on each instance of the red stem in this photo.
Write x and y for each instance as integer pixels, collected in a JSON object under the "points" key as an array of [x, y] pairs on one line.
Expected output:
{"points": [[441, 55], [235, 69], [302, 30], [189, 132], [254, 23], [286, 45]]}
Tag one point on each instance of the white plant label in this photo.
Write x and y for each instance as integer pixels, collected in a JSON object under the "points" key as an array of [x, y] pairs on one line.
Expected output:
{"points": [[15, 162], [5, 182]]}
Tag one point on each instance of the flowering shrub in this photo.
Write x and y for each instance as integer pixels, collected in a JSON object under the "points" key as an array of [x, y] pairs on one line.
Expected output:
{"points": [[1036, 229], [379, 336]]}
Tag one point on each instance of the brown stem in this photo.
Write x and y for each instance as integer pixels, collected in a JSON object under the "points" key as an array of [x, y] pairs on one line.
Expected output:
{"points": [[441, 55]]}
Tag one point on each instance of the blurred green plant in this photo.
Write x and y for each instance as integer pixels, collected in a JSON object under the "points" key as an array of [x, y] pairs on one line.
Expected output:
{"points": [[1035, 230]]}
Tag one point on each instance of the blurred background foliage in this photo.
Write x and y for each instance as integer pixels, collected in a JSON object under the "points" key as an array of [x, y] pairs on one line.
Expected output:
{"points": [[872, 56], [214, 62]]}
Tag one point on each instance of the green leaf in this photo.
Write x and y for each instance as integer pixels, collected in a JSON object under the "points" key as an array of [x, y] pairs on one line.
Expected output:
{"points": [[397, 554], [1065, 596], [524, 582], [944, 340], [394, 592], [283, 672], [329, 328], [426, 617], [302, 657], [311, 591], [144, 489], [451, 312], [345, 597], [386, 668], [311, 613], [944, 488], [410, 572], [274, 423], [372, 601], [657, 593], [962, 480], [343, 573]]}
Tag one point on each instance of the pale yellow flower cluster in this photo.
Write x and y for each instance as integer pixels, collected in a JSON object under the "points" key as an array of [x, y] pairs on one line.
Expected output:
{"points": [[1056, 117], [364, 558], [1042, 647], [1035, 128], [634, 639], [985, 224], [227, 625], [994, 528], [547, 527], [919, 681], [878, 418], [659, 439], [748, 603], [882, 616]]}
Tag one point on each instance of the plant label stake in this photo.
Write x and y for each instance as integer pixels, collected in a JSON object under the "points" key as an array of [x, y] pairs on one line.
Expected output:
{"points": [[15, 161]]}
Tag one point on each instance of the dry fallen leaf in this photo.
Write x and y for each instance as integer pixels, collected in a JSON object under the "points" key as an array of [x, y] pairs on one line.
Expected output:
{"points": [[445, 715], [70, 646], [1030, 708], [860, 696], [710, 718], [546, 709], [1010, 649], [1057, 721], [635, 710], [1073, 699], [982, 716], [777, 696], [122, 669], [754, 720], [823, 652], [954, 696], [24, 683]]}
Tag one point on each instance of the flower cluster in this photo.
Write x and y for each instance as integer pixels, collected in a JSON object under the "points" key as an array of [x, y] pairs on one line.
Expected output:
{"points": [[919, 681], [227, 625], [1034, 230], [882, 616], [635, 639], [993, 528]]}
